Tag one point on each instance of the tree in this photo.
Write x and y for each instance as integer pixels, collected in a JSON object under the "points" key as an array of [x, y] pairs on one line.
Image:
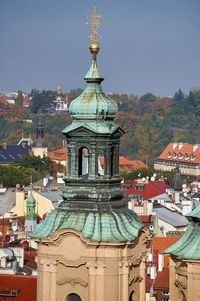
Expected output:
{"points": [[148, 97], [19, 99], [179, 96], [42, 165]]}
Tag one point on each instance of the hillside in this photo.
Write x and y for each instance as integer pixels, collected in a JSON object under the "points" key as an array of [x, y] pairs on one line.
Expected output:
{"points": [[150, 122]]}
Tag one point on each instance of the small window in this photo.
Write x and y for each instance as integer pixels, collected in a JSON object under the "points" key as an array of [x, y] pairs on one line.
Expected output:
{"points": [[186, 156], [169, 155], [73, 297], [180, 156]]}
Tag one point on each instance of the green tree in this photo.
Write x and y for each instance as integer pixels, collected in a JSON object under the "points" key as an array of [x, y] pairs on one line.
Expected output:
{"points": [[19, 99], [179, 96], [148, 97]]}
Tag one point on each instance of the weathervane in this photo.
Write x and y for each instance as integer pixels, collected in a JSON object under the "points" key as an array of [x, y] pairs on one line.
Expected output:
{"points": [[95, 22]]}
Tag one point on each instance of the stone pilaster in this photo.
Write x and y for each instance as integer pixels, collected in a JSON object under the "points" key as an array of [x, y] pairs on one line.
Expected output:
{"points": [[47, 270]]}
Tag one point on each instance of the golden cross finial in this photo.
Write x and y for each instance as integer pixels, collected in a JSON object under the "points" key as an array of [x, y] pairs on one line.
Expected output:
{"points": [[94, 22]]}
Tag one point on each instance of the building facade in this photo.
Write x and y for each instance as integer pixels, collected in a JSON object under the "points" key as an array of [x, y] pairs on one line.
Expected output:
{"points": [[184, 156]]}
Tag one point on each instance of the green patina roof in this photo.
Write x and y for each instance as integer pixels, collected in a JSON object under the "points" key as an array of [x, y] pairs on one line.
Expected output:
{"points": [[30, 200], [105, 226], [93, 103], [100, 127], [188, 246]]}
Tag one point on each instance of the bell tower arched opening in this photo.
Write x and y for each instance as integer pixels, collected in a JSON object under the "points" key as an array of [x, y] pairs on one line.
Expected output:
{"points": [[83, 161]]}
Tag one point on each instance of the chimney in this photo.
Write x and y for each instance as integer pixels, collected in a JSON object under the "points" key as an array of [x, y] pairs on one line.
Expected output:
{"points": [[5, 145]]}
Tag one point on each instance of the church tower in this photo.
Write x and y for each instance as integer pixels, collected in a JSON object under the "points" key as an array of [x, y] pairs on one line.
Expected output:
{"points": [[40, 145], [30, 218], [92, 248]]}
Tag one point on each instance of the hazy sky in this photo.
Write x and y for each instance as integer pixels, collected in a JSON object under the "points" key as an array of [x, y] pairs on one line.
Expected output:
{"points": [[146, 45]]}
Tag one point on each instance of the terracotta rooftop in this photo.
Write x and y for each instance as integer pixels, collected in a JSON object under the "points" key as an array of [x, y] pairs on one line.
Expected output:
{"points": [[162, 279], [148, 190], [162, 243], [59, 154], [182, 152], [126, 164], [25, 285]]}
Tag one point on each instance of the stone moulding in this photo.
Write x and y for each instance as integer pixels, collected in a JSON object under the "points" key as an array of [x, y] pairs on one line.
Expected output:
{"points": [[72, 281]]}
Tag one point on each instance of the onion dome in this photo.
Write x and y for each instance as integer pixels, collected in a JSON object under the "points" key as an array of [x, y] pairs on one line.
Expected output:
{"points": [[93, 103], [110, 226]]}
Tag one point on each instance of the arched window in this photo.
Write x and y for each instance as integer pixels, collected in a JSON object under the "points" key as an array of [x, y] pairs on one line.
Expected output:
{"points": [[83, 161], [73, 297]]}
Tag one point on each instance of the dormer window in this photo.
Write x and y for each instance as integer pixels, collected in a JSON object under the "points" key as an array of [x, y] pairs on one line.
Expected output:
{"points": [[174, 155], [169, 155], [180, 156], [186, 156], [192, 157]]}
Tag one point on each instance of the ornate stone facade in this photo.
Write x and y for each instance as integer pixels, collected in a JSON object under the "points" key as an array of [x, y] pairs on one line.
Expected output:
{"points": [[69, 264]]}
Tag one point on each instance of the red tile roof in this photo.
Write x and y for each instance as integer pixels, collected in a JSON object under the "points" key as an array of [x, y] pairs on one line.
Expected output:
{"points": [[59, 154], [182, 152], [162, 243], [159, 244], [162, 279], [150, 189], [126, 164], [26, 284]]}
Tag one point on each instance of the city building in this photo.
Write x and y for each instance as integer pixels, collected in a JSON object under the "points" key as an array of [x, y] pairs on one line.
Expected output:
{"points": [[184, 156], [92, 247], [61, 102]]}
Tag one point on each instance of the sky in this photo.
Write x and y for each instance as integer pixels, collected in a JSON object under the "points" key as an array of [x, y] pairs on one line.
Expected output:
{"points": [[146, 45]]}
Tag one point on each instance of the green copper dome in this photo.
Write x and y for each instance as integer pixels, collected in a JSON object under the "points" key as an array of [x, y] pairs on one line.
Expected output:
{"points": [[110, 226], [31, 200], [188, 246], [93, 103]]}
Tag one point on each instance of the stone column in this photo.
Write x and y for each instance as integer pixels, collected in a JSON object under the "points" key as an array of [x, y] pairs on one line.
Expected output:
{"points": [[100, 282], [142, 284], [172, 278], [73, 162], [53, 271], [96, 281], [92, 280], [93, 163], [124, 283], [68, 162], [107, 163], [46, 290], [116, 172]]}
